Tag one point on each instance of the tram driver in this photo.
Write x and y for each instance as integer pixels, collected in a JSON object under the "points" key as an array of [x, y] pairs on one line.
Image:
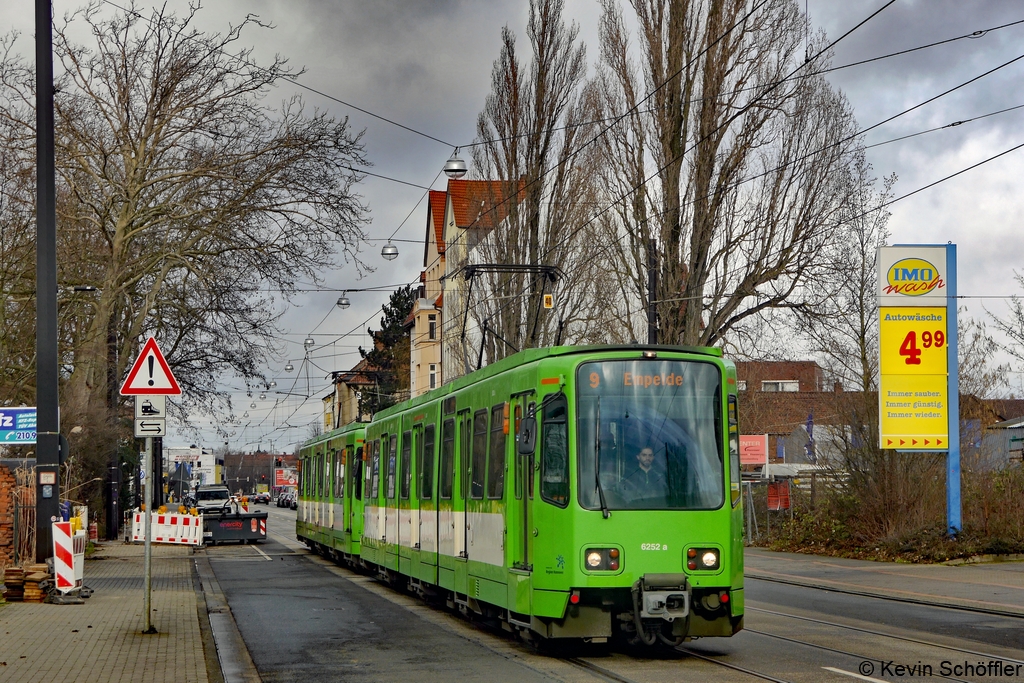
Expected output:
{"points": [[645, 481]]}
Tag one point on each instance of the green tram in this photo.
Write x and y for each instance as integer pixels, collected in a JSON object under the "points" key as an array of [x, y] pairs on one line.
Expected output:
{"points": [[571, 492]]}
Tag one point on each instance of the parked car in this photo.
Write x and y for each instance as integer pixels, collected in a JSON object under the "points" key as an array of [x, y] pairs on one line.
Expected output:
{"points": [[293, 503]]}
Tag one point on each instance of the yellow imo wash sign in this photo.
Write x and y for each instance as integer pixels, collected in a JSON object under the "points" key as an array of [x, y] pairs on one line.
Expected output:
{"points": [[912, 277]]}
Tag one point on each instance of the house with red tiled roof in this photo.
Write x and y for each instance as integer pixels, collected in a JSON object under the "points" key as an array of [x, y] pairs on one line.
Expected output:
{"points": [[473, 209], [341, 406], [424, 322]]}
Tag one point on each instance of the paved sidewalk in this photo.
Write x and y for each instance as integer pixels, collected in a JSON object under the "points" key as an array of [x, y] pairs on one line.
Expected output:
{"points": [[101, 641], [996, 586]]}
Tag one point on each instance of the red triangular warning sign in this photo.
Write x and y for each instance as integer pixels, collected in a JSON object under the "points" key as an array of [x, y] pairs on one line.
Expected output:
{"points": [[150, 375]]}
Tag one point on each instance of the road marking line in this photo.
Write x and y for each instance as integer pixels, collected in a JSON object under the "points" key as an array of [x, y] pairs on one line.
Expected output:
{"points": [[265, 556], [853, 675]]}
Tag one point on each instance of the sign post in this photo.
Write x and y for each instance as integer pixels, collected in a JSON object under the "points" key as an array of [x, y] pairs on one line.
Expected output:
{"points": [[150, 381], [918, 397]]}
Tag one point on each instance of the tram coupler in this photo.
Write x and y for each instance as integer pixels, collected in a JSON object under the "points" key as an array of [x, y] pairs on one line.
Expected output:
{"points": [[663, 596]]}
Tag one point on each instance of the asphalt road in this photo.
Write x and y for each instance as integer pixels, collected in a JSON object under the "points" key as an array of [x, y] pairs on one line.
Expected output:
{"points": [[305, 619]]}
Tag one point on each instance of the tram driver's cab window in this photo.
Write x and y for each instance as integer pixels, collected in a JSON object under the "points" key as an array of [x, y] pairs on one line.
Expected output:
{"points": [[554, 452]]}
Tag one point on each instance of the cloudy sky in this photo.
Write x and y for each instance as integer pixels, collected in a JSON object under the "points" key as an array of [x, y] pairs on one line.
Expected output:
{"points": [[426, 64]]}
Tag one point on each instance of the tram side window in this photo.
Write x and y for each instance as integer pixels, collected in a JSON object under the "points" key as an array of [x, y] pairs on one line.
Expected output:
{"points": [[317, 459], [375, 470], [357, 475], [406, 464], [392, 457], [734, 451], [532, 410], [465, 436], [554, 455], [476, 488], [496, 461], [426, 463], [447, 459]]}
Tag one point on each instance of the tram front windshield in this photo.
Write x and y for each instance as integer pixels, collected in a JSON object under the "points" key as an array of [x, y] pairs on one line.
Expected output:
{"points": [[648, 435]]}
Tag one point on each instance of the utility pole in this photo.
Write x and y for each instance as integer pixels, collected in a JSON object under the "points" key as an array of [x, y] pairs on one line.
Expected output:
{"points": [[652, 291], [48, 419], [147, 557]]}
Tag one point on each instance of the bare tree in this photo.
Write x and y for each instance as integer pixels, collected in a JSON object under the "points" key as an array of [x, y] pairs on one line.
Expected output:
{"points": [[184, 197], [532, 141], [1013, 324], [739, 173], [843, 328]]}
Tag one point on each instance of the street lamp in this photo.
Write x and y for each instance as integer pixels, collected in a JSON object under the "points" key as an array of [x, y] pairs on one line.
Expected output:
{"points": [[272, 385], [263, 397], [455, 167], [252, 405], [389, 252], [308, 343], [343, 301], [289, 367]]}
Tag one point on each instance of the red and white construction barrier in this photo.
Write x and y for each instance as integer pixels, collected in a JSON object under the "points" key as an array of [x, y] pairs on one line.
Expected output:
{"points": [[169, 528], [64, 557]]}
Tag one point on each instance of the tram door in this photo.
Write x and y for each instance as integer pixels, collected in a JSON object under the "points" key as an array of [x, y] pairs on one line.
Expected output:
{"points": [[520, 524], [464, 423], [332, 468]]}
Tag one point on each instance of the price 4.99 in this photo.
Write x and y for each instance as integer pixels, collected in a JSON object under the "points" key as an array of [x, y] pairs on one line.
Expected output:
{"points": [[910, 350]]}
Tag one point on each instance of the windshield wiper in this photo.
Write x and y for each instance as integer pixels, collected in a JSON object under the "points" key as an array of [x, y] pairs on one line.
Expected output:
{"points": [[597, 463]]}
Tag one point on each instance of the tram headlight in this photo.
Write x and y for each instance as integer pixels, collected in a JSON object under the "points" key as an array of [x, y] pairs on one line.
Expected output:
{"points": [[703, 559], [602, 559]]}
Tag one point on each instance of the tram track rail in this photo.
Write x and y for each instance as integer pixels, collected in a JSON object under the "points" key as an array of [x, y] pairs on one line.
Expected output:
{"points": [[891, 598], [728, 665], [884, 634], [797, 641]]}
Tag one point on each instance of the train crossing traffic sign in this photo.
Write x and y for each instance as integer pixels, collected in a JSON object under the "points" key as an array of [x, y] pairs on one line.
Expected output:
{"points": [[150, 375]]}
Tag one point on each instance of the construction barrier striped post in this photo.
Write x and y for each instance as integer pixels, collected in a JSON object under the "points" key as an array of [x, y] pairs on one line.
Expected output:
{"points": [[63, 557]]}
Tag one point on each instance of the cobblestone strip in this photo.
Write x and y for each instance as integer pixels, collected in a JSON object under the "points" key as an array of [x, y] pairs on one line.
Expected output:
{"points": [[101, 641]]}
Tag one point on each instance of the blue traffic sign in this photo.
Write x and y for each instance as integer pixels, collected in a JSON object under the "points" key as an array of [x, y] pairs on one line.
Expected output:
{"points": [[17, 425]]}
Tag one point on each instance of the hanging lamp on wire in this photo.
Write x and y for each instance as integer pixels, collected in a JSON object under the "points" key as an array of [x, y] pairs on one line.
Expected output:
{"points": [[390, 251], [455, 167], [289, 367], [343, 301], [308, 343]]}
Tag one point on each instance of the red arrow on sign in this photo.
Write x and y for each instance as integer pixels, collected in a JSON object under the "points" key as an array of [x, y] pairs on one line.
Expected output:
{"points": [[926, 442], [938, 442], [150, 375], [913, 442], [888, 442], [902, 442]]}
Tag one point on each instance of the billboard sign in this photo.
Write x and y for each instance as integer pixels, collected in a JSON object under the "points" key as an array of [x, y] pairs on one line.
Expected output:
{"points": [[912, 276], [17, 425], [286, 476], [754, 449], [914, 401]]}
